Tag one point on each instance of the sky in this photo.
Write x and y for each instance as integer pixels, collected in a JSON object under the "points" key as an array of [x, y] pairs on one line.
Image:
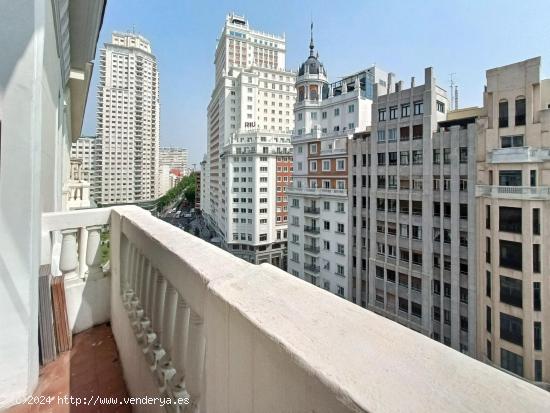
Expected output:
{"points": [[404, 37]]}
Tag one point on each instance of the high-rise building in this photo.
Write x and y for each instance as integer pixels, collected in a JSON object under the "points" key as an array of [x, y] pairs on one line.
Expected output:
{"points": [[249, 159], [172, 167], [174, 158], [513, 196], [326, 117], [128, 119], [87, 149]]}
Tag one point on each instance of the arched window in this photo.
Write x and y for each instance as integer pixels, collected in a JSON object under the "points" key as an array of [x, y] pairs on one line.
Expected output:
{"points": [[503, 113], [520, 110], [300, 93]]}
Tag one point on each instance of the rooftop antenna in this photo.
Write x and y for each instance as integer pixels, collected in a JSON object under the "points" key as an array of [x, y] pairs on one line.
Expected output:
{"points": [[452, 89], [456, 97]]}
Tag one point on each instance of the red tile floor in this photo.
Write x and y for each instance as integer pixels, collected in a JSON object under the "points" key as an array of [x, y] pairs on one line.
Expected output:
{"points": [[90, 370]]}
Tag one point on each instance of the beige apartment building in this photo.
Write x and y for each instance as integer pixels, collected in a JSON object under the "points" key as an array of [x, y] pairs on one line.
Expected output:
{"points": [[513, 198]]}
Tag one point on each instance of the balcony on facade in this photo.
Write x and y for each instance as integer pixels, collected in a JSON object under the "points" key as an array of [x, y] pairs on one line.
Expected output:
{"points": [[312, 267], [311, 210], [521, 154], [317, 191], [514, 192], [313, 249], [230, 340], [311, 229]]}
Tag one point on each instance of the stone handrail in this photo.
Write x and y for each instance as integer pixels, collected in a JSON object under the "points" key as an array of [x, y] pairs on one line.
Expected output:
{"points": [[191, 320], [514, 192]]}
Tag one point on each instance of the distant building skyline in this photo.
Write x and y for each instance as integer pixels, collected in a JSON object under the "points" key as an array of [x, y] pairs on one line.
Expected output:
{"points": [[184, 51]]}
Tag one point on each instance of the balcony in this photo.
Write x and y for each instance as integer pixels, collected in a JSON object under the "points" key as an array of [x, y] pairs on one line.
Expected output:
{"points": [[311, 248], [521, 154], [311, 267], [311, 210], [191, 320], [317, 191], [514, 192], [311, 230]]}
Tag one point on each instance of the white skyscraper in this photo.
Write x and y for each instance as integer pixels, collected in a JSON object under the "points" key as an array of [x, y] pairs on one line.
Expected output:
{"points": [[249, 160], [128, 120]]}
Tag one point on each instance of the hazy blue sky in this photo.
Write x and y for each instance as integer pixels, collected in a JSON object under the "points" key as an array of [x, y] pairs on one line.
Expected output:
{"points": [[404, 37]]}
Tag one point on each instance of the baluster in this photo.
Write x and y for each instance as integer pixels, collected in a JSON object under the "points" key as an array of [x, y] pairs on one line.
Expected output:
{"points": [[82, 252], [129, 293], [179, 350], [147, 335], [93, 252], [195, 360], [155, 350], [68, 261], [167, 370]]}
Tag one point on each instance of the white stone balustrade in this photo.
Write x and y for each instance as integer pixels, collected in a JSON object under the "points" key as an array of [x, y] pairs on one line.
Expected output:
{"points": [[237, 337], [72, 245]]}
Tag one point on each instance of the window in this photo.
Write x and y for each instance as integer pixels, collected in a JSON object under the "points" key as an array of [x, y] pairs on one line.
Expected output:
{"points": [[381, 114], [520, 111], [392, 135], [510, 219], [488, 319], [417, 131], [537, 333], [326, 165], [393, 112], [337, 112], [536, 221], [536, 296], [536, 258], [437, 156], [340, 164], [418, 107], [392, 158], [510, 178], [403, 304], [446, 155], [511, 329], [416, 309], [463, 154], [340, 228], [404, 133], [511, 291], [381, 158], [512, 141], [351, 108], [437, 313], [313, 166], [416, 283], [417, 157], [488, 216], [379, 272], [326, 205], [538, 370], [488, 250], [381, 136], [440, 106], [404, 157], [503, 114], [463, 295], [405, 110], [510, 255], [324, 114], [326, 225], [511, 362]]}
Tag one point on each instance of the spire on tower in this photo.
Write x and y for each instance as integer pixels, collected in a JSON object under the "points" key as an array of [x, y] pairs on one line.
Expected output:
{"points": [[311, 46]]}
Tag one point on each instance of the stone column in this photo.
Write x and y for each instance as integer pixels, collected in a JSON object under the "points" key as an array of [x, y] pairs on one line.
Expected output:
{"points": [[68, 261], [195, 359], [82, 246], [93, 253]]}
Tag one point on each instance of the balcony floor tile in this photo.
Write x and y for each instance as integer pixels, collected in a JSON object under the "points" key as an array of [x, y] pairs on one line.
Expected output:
{"points": [[91, 368]]}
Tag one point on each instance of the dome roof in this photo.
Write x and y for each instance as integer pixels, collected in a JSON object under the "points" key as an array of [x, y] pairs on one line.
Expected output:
{"points": [[312, 65]]}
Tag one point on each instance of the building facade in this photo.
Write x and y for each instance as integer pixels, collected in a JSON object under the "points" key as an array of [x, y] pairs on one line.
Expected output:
{"points": [[414, 213], [128, 120], [247, 167], [513, 196], [326, 117], [87, 149]]}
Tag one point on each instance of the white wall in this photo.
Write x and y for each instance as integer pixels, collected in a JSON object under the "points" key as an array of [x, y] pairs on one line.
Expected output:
{"points": [[29, 96]]}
